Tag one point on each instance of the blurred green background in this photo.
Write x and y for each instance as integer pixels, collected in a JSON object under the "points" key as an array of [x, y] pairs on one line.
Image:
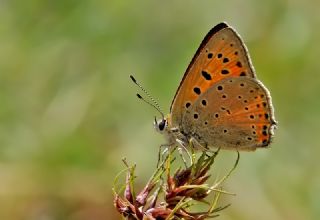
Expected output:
{"points": [[68, 111]]}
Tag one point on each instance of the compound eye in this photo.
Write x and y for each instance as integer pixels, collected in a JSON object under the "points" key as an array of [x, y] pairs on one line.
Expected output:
{"points": [[162, 124]]}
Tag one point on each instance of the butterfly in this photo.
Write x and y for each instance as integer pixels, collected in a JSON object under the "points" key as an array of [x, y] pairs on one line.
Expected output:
{"points": [[220, 103]]}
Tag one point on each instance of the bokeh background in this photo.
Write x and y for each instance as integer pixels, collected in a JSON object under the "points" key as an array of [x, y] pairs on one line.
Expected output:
{"points": [[68, 111]]}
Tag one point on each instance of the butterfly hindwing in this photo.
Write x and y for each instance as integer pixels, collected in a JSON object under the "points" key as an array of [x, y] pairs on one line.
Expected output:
{"points": [[235, 113]]}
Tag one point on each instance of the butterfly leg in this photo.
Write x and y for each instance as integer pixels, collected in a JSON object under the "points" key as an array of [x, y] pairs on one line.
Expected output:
{"points": [[181, 148], [161, 153], [194, 144]]}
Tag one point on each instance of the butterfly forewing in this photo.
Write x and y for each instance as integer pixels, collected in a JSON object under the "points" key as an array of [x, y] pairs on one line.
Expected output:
{"points": [[222, 54]]}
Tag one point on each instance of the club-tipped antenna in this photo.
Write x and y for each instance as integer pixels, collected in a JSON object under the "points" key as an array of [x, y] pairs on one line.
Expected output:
{"points": [[151, 104], [154, 104]]}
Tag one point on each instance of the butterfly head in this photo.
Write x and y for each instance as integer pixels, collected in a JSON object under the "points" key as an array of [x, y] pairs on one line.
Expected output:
{"points": [[164, 127], [160, 125]]}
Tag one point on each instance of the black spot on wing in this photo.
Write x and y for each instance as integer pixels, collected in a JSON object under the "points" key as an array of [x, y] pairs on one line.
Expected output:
{"points": [[197, 90], [206, 75]]}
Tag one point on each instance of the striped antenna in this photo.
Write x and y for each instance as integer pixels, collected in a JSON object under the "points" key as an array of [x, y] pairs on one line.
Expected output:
{"points": [[154, 104]]}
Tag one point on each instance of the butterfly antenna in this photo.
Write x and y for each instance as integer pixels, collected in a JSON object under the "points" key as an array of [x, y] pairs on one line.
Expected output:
{"points": [[151, 104], [154, 104]]}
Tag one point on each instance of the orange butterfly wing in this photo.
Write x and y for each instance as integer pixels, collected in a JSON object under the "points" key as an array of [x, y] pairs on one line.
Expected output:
{"points": [[221, 54]]}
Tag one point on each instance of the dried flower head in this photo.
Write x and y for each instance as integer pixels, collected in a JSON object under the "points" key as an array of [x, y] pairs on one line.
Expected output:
{"points": [[179, 191]]}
